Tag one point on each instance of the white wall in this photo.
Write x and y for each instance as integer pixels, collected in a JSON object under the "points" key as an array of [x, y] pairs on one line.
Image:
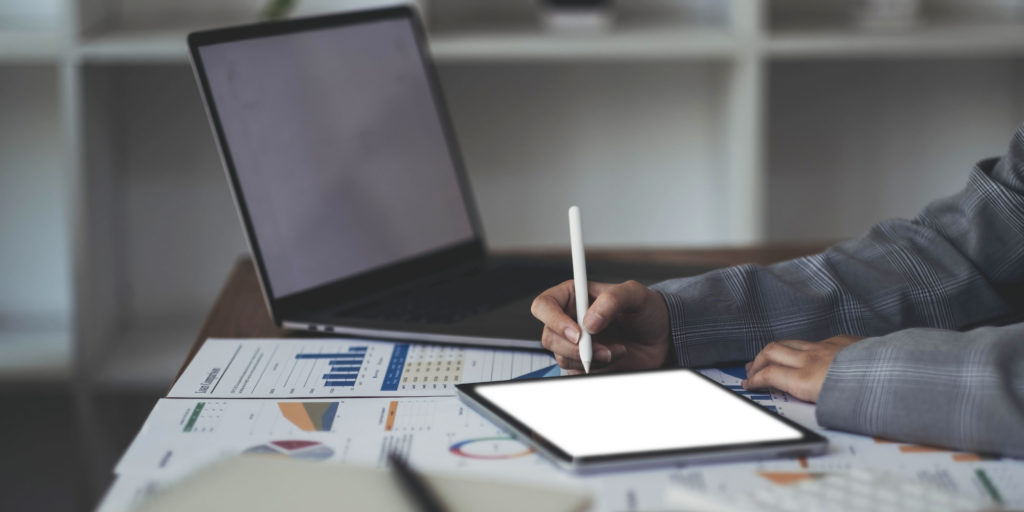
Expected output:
{"points": [[636, 146], [852, 143], [33, 201], [180, 234]]}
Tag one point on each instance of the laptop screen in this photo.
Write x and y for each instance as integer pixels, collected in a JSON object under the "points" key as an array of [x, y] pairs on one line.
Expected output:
{"points": [[339, 150]]}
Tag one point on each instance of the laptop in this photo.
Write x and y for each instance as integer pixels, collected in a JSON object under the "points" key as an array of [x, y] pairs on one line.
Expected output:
{"points": [[351, 190]]}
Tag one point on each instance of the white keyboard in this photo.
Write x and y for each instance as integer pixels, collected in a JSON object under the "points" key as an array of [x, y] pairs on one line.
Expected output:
{"points": [[856, 490]]}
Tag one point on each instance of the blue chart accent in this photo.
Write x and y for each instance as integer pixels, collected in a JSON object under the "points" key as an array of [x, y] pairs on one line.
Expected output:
{"points": [[395, 367], [741, 373], [335, 376], [347, 356], [328, 417], [344, 366], [736, 371], [550, 371], [346, 362], [753, 395]]}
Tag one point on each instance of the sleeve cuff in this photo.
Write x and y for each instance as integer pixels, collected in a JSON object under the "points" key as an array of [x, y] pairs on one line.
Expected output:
{"points": [[674, 303], [841, 403]]}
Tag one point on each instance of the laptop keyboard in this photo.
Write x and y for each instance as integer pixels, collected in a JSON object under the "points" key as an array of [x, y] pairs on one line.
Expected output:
{"points": [[463, 296]]}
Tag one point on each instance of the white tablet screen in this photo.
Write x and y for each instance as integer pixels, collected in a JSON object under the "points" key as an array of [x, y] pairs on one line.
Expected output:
{"points": [[635, 412]]}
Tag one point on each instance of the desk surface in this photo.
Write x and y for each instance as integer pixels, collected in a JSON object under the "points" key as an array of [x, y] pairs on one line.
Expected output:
{"points": [[240, 311]]}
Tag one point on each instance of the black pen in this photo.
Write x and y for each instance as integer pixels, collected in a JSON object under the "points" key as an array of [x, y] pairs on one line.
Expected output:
{"points": [[415, 485]]}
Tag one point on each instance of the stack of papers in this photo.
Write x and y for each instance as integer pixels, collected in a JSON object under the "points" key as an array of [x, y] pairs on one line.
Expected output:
{"points": [[344, 400]]}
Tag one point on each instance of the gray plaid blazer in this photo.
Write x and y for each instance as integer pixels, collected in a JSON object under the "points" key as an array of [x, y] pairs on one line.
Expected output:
{"points": [[920, 290]]}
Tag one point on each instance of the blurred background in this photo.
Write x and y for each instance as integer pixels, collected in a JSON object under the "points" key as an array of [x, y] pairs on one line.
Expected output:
{"points": [[671, 122]]}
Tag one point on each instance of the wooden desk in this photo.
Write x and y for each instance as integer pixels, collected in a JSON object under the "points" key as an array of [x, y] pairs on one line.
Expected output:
{"points": [[240, 311]]}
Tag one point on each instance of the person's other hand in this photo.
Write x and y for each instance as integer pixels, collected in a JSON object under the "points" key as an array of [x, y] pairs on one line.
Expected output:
{"points": [[794, 366], [628, 321]]}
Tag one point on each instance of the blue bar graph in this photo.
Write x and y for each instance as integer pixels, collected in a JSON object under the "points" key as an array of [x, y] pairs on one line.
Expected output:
{"points": [[395, 368], [343, 367], [753, 395], [346, 362], [335, 376], [353, 356]]}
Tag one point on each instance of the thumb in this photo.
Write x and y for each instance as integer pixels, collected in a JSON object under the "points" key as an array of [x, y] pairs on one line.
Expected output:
{"points": [[612, 302]]}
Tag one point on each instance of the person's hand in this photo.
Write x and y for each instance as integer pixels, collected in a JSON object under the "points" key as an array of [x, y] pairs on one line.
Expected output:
{"points": [[629, 322], [794, 366]]}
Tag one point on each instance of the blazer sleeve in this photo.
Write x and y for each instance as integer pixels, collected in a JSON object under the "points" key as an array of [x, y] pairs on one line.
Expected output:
{"points": [[959, 264], [962, 390]]}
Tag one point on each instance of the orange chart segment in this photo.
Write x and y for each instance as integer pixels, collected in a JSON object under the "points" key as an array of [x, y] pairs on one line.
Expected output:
{"points": [[392, 412], [787, 477], [916, 448], [310, 416]]}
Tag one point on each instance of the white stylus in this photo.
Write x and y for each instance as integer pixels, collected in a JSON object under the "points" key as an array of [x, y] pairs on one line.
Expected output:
{"points": [[579, 278]]}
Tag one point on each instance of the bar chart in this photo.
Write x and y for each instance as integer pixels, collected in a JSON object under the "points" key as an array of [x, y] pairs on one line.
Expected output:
{"points": [[325, 367], [342, 367]]}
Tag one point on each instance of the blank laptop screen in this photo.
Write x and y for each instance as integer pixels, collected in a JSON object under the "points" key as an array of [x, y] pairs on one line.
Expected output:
{"points": [[339, 150]]}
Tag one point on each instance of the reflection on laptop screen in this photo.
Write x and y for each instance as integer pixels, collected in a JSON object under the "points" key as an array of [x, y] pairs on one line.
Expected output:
{"points": [[339, 150]]}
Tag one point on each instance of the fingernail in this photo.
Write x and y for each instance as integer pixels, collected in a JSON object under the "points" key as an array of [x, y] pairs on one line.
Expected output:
{"points": [[618, 351], [592, 322], [604, 355], [572, 334], [743, 383]]}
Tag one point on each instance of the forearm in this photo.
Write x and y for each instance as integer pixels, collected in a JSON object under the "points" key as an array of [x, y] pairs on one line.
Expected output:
{"points": [[898, 275], [944, 388], [958, 264]]}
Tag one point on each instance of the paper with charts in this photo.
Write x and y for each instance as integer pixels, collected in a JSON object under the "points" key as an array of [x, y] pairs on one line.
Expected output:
{"points": [[439, 433], [433, 432], [326, 367]]}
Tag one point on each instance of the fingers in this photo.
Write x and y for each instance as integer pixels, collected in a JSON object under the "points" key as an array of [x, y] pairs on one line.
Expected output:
{"points": [[567, 354], [779, 377], [602, 358], [796, 344], [794, 366], [550, 308], [611, 301], [776, 353], [559, 345]]}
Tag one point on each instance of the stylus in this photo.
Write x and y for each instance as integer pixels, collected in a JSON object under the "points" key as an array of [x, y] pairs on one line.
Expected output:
{"points": [[579, 277], [415, 485]]}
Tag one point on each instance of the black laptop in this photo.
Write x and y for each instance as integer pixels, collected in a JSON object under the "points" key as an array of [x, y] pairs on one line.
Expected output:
{"points": [[351, 189]]}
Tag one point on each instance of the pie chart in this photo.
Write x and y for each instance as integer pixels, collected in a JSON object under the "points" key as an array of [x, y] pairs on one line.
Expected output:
{"points": [[310, 450]]}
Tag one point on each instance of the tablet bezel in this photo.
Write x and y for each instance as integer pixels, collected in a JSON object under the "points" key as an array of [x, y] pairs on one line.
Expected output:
{"points": [[809, 443]]}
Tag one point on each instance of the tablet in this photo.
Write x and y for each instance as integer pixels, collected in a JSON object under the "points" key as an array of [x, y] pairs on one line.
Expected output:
{"points": [[620, 420]]}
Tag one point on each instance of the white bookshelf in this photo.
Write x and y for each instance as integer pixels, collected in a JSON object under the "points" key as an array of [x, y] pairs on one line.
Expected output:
{"points": [[142, 46], [620, 44], [928, 41], [30, 46], [689, 122]]}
